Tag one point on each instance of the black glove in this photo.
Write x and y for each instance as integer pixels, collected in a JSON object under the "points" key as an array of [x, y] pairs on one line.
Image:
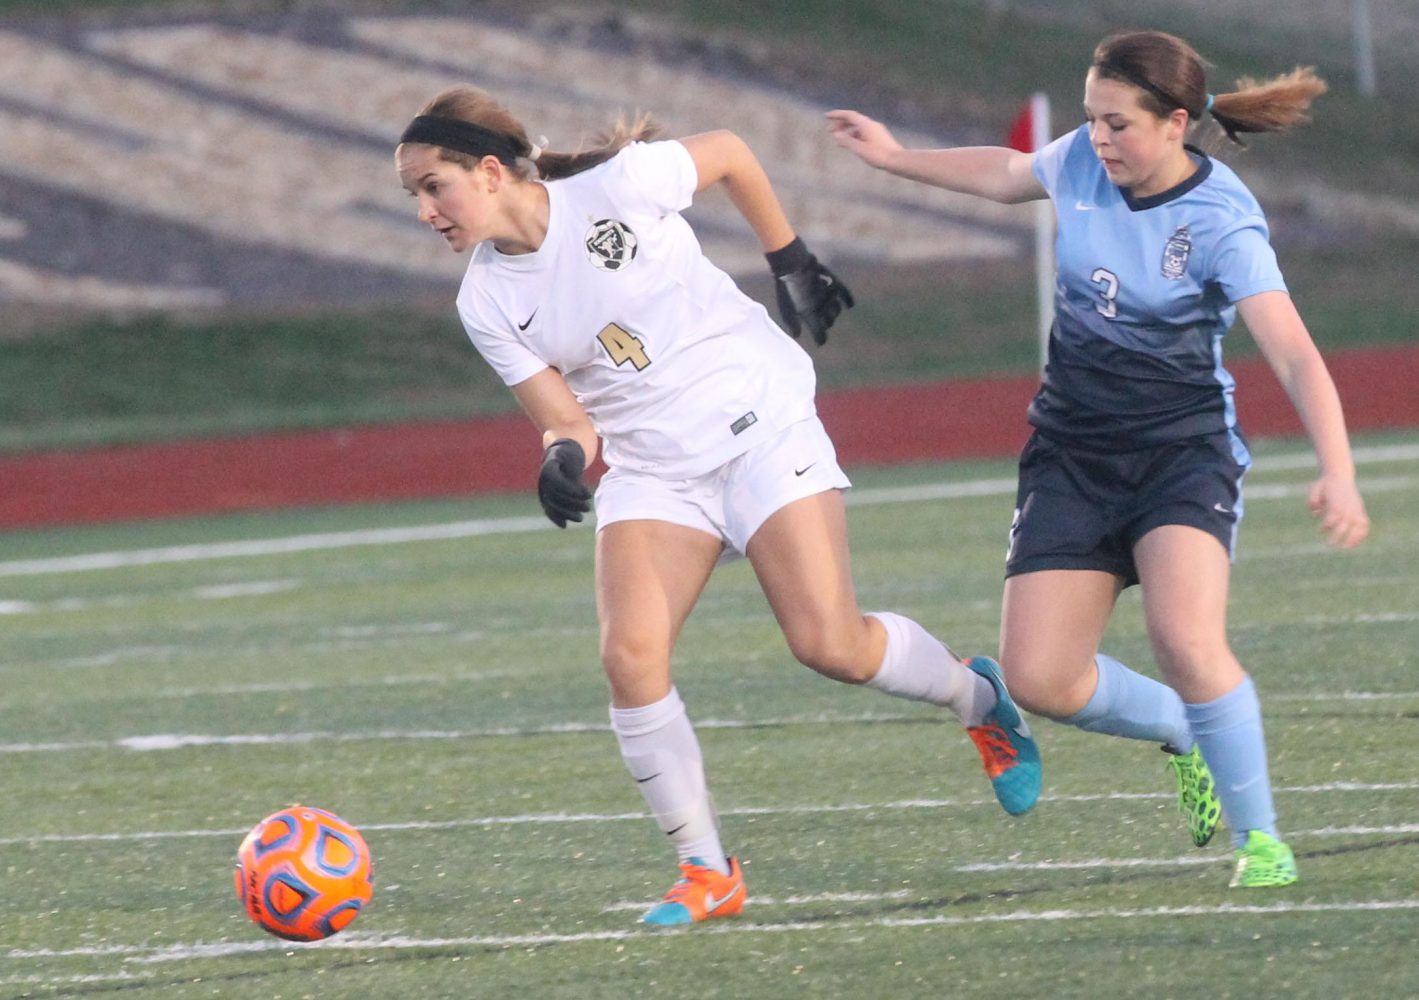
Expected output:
{"points": [[559, 486], [809, 295]]}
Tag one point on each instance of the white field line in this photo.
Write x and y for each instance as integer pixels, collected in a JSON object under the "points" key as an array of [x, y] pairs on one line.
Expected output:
{"points": [[103, 977], [1083, 864], [358, 941], [761, 901], [217, 592], [176, 741], [554, 819], [151, 742], [514, 525]]}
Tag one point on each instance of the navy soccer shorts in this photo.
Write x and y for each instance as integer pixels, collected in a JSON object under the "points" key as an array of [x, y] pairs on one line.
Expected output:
{"points": [[1083, 509]]}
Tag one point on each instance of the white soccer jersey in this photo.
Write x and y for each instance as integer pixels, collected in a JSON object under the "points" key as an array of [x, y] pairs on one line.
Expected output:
{"points": [[677, 368]]}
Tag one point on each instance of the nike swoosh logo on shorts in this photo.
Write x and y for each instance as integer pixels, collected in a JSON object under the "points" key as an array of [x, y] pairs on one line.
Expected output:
{"points": [[1084, 206], [799, 472]]}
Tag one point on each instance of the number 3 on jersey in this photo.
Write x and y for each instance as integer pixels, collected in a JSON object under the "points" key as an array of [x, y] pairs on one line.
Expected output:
{"points": [[1108, 291], [623, 347]]}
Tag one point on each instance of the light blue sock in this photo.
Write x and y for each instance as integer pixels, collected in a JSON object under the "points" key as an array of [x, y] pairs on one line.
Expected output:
{"points": [[1126, 703], [1229, 732]]}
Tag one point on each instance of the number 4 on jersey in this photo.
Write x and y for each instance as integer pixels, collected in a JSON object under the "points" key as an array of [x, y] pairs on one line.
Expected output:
{"points": [[623, 346]]}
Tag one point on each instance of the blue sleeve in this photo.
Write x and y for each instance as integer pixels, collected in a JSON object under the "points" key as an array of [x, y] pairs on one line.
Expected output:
{"points": [[1244, 262], [1049, 163]]}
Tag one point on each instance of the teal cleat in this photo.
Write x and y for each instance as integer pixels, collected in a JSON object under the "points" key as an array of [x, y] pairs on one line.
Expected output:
{"points": [[1263, 862], [1197, 794], [1012, 761]]}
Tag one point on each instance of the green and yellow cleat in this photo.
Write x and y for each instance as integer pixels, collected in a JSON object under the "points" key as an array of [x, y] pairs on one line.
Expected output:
{"points": [[1197, 795], [1263, 862]]}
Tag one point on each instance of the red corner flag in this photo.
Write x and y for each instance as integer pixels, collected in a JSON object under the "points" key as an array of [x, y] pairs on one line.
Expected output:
{"points": [[1030, 130], [1029, 133], [1022, 131]]}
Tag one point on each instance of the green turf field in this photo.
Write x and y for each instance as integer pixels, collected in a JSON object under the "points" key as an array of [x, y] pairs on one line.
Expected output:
{"points": [[429, 671]]}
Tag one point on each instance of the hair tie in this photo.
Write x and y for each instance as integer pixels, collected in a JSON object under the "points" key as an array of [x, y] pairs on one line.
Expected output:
{"points": [[537, 149], [1208, 106]]}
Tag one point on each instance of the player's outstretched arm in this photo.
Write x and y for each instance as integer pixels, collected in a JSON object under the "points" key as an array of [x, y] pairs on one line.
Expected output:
{"points": [[810, 297], [1287, 346], [993, 172]]}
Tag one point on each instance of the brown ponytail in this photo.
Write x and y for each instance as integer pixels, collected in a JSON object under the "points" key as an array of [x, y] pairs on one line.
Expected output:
{"points": [[552, 165], [1172, 75], [469, 104], [1270, 106]]}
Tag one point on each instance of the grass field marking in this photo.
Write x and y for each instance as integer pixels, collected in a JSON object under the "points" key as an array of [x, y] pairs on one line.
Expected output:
{"points": [[389, 680], [1346, 696], [175, 741], [363, 940], [120, 976], [1368, 455], [515, 525], [821, 897], [1381, 618], [214, 592], [154, 742], [1085, 864], [548, 819], [273, 546], [151, 742], [1368, 486]]}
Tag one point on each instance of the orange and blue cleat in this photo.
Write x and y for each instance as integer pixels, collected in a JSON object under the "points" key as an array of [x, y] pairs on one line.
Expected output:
{"points": [[701, 893], [1012, 761]]}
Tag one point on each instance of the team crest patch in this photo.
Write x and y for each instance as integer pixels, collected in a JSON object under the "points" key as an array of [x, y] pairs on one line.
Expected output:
{"points": [[1175, 253], [610, 245]]}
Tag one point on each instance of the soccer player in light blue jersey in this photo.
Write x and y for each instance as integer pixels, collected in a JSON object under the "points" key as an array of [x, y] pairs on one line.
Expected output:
{"points": [[1134, 471]]}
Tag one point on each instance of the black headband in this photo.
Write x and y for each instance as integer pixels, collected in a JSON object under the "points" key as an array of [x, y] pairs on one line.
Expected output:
{"points": [[461, 137], [1120, 72]]}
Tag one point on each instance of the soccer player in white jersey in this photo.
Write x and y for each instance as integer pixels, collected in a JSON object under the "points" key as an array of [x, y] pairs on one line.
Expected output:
{"points": [[1133, 473], [587, 292]]}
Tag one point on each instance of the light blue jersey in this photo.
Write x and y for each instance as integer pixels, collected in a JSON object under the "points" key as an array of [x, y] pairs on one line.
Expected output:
{"points": [[1146, 288]]}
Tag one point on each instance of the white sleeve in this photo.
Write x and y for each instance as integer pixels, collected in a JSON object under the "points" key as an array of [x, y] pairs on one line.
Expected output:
{"points": [[658, 178], [505, 354]]}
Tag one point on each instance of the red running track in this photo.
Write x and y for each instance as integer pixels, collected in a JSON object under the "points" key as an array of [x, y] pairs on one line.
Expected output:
{"points": [[882, 426]]}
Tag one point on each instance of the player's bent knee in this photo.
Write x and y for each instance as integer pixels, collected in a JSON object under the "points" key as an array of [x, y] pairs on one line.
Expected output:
{"points": [[832, 656], [1040, 694]]}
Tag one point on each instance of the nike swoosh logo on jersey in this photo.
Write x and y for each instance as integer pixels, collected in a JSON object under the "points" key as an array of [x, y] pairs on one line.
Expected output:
{"points": [[524, 326], [712, 903]]}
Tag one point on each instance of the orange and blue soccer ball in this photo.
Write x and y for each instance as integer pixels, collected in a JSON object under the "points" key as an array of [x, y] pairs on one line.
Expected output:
{"points": [[303, 874]]}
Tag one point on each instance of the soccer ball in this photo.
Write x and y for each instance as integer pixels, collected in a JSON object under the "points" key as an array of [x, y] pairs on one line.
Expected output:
{"points": [[303, 874]]}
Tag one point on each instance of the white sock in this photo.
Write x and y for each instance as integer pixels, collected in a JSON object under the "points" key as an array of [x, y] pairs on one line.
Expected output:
{"points": [[919, 667], [659, 746]]}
